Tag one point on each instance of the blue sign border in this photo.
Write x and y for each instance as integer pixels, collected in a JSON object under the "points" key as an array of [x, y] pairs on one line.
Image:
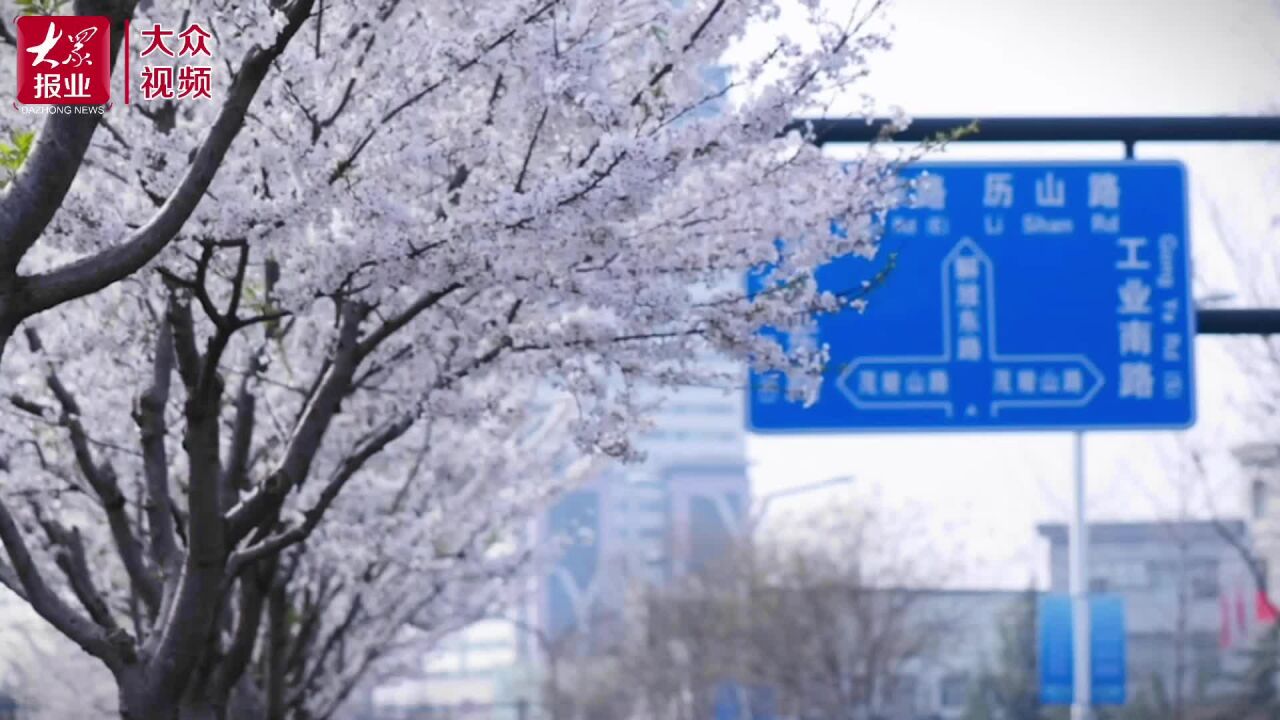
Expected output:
{"points": [[1190, 326]]}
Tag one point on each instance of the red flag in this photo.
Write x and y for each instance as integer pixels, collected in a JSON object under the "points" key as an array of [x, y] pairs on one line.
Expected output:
{"points": [[1266, 612]]}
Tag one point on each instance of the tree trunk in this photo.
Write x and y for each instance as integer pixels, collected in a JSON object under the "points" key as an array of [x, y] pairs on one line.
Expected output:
{"points": [[244, 702], [198, 711], [137, 704], [277, 641]]}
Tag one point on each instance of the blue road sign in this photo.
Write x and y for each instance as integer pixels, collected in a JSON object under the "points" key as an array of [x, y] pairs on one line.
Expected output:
{"points": [[1018, 296], [1055, 656], [1106, 650]]}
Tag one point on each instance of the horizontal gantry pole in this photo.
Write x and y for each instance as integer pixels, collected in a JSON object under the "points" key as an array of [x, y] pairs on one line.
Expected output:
{"points": [[1128, 130], [1238, 321], [1262, 128]]}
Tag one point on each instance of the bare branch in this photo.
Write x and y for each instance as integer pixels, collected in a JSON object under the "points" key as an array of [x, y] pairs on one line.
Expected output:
{"points": [[83, 632], [343, 166], [149, 417], [528, 153], [236, 475], [70, 559], [353, 613], [9, 579], [102, 478], [391, 326], [184, 339], [264, 502], [371, 446], [253, 591]]}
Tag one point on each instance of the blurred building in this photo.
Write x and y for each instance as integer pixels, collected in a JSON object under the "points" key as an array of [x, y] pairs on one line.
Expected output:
{"points": [[641, 523], [649, 522], [1260, 461], [473, 674], [1190, 605]]}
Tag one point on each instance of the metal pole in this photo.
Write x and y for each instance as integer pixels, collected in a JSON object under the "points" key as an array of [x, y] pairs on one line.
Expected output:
{"points": [[1079, 545], [1238, 321], [1051, 129]]}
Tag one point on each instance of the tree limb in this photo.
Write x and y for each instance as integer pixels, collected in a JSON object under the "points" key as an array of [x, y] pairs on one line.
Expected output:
{"points": [[149, 417], [83, 632], [349, 467], [353, 612], [9, 579], [394, 324], [70, 558], [264, 502], [198, 596], [179, 317], [312, 613], [235, 477], [102, 478], [277, 637], [253, 592]]}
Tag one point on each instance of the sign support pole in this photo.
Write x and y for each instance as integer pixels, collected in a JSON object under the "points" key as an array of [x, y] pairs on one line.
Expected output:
{"points": [[1079, 582]]}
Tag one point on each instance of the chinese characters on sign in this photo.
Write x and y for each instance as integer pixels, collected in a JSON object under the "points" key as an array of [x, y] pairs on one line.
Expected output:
{"points": [[64, 60], [161, 81], [1023, 296]]}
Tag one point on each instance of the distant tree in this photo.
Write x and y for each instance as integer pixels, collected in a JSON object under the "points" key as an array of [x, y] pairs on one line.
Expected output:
{"points": [[1151, 700], [1010, 688], [1257, 693], [827, 623]]}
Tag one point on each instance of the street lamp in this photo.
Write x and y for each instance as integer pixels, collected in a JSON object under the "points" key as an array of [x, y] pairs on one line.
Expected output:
{"points": [[1215, 297], [763, 507]]}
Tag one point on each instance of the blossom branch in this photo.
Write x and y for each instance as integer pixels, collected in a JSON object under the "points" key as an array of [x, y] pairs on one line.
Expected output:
{"points": [[261, 506], [95, 272], [102, 478], [83, 632], [349, 467], [149, 416]]}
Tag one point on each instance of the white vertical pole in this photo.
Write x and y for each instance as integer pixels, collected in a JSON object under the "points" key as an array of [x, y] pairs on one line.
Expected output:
{"points": [[1079, 549]]}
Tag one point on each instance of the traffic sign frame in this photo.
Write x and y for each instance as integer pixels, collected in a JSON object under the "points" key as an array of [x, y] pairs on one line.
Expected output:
{"points": [[960, 244]]}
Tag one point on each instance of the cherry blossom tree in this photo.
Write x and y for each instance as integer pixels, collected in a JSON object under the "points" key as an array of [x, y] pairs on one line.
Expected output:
{"points": [[373, 271]]}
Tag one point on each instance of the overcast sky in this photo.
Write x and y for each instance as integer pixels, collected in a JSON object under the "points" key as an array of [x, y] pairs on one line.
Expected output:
{"points": [[1089, 57]]}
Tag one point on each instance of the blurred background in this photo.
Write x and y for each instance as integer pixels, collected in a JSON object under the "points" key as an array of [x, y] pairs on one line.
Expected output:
{"points": [[899, 576]]}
